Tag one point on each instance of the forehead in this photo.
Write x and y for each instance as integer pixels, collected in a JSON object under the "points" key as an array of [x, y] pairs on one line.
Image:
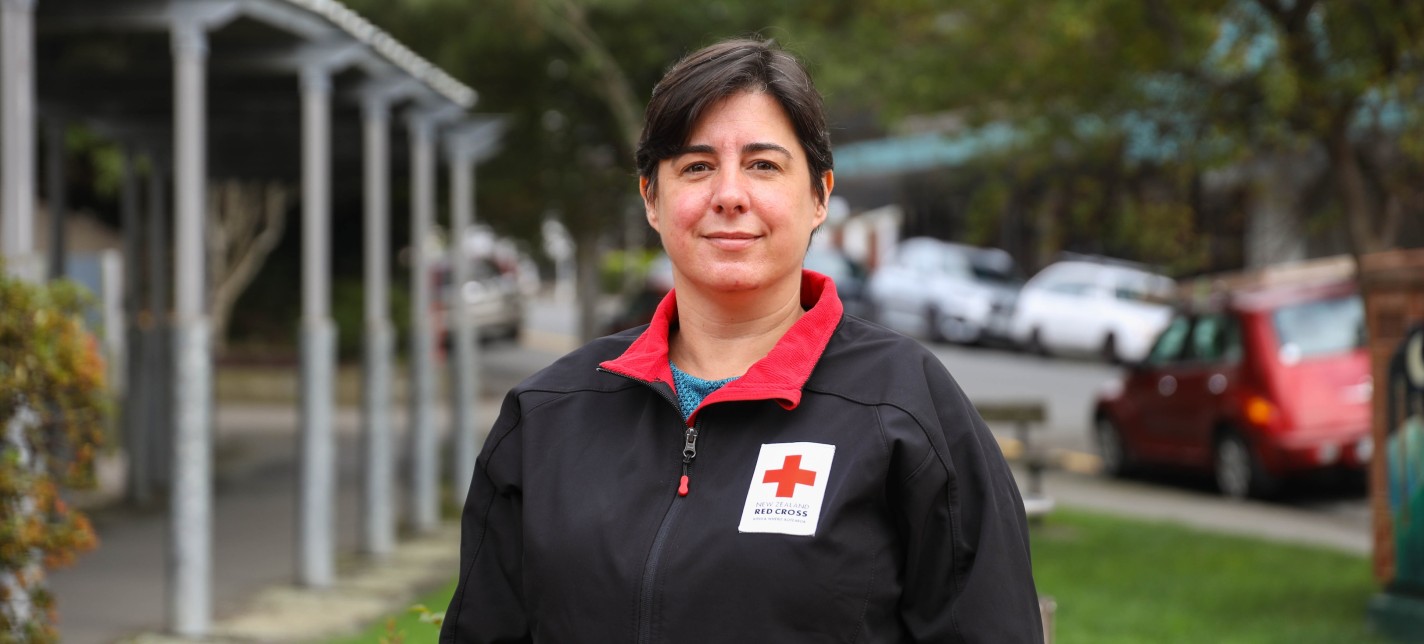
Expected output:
{"points": [[755, 116]]}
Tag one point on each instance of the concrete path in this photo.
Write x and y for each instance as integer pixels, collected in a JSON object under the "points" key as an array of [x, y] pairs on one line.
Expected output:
{"points": [[118, 591], [1206, 511]]}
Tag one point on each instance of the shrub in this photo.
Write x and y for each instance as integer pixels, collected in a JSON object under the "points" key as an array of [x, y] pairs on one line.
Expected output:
{"points": [[53, 409]]}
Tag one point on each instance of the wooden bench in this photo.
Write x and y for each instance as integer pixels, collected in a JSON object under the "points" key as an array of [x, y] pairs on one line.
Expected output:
{"points": [[1024, 415]]}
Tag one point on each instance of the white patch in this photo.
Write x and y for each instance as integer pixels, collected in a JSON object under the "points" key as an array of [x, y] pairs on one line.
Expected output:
{"points": [[787, 487]]}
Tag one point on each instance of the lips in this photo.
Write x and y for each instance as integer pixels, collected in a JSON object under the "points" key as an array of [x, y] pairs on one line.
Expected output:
{"points": [[731, 235], [732, 241]]}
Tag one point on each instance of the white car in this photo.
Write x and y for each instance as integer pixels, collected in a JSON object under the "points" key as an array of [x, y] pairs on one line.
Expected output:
{"points": [[1101, 307], [945, 291], [492, 297]]}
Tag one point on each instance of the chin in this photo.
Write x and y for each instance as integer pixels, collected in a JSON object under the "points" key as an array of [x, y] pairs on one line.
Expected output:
{"points": [[726, 285], [726, 279]]}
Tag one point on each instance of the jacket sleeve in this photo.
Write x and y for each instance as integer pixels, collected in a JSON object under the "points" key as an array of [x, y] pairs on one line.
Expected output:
{"points": [[488, 605], [967, 574]]}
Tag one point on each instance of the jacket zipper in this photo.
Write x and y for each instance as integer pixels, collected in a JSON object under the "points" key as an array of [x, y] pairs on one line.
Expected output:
{"points": [[689, 446], [650, 568], [689, 452]]}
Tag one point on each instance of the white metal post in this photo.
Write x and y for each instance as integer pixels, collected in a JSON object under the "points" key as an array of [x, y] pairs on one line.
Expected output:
{"points": [[17, 130], [424, 471], [464, 361], [316, 523], [467, 144], [190, 587], [378, 460]]}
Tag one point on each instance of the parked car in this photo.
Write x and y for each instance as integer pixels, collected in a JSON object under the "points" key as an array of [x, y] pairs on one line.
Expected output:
{"points": [[945, 291], [1265, 384], [1099, 307], [492, 296]]}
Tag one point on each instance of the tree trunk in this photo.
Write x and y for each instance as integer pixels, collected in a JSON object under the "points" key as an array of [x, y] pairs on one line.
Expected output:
{"points": [[1359, 207], [586, 258], [246, 222]]}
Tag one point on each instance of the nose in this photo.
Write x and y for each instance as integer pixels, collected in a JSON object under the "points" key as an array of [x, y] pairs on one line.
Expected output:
{"points": [[729, 194]]}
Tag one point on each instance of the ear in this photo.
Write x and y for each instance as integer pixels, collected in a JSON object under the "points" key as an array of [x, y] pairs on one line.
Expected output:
{"points": [[829, 181], [649, 208]]}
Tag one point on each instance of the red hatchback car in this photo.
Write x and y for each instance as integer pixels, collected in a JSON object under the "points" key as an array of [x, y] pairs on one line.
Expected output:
{"points": [[1268, 382]]}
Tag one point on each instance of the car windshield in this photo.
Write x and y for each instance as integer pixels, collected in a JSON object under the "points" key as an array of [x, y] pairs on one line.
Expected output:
{"points": [[996, 272], [1142, 287], [1321, 327]]}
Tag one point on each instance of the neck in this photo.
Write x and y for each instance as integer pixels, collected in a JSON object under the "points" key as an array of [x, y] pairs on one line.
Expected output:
{"points": [[721, 337]]}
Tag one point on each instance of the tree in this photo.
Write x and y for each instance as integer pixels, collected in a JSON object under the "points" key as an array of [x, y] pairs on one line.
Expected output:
{"points": [[245, 222], [1199, 85], [1348, 77]]}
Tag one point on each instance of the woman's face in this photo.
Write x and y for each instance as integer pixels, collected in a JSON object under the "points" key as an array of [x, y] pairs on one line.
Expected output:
{"points": [[735, 207]]}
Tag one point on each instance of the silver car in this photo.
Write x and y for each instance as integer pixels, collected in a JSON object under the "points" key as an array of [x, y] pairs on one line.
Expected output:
{"points": [[945, 291], [491, 296]]}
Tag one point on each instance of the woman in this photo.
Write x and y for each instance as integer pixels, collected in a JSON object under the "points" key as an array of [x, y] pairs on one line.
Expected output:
{"points": [[752, 466]]}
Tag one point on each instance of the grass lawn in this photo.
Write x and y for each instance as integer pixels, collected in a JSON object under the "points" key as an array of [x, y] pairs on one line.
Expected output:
{"points": [[407, 627], [1118, 580]]}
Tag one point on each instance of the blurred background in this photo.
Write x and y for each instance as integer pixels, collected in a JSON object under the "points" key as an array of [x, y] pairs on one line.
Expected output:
{"points": [[1144, 227]]}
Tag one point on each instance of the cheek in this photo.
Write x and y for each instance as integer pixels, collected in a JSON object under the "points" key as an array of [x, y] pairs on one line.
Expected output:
{"points": [[682, 210]]}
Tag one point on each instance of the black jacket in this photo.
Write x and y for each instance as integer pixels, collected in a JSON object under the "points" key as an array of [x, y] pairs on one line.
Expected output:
{"points": [[574, 529]]}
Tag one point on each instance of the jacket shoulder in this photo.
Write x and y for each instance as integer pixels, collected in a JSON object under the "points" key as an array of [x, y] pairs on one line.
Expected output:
{"points": [[578, 369], [871, 364]]}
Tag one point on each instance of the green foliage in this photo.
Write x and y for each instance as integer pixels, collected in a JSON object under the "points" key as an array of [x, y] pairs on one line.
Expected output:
{"points": [[53, 408], [1120, 91], [617, 263], [395, 635]]}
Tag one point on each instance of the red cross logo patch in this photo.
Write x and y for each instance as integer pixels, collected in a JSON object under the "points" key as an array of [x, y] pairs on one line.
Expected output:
{"points": [[787, 488], [789, 476]]}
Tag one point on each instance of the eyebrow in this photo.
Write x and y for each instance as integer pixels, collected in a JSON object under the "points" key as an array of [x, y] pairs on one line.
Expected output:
{"points": [[746, 149]]}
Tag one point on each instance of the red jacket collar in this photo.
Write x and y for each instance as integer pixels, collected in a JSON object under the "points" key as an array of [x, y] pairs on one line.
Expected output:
{"points": [[779, 376]]}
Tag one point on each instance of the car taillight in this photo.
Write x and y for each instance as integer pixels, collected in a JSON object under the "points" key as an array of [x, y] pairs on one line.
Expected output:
{"points": [[1259, 411]]}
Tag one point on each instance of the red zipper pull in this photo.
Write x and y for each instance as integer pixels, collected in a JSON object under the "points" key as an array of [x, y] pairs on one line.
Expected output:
{"points": [[689, 452]]}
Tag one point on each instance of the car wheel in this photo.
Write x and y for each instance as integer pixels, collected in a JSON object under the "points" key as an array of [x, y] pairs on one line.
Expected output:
{"points": [[932, 324], [1035, 343], [1116, 460], [1238, 472], [947, 328], [1109, 350]]}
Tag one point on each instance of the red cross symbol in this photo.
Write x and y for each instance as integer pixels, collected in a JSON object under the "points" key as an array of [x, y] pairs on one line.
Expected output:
{"points": [[789, 476]]}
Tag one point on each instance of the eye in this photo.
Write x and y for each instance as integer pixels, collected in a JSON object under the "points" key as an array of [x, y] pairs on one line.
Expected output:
{"points": [[765, 166], [696, 167]]}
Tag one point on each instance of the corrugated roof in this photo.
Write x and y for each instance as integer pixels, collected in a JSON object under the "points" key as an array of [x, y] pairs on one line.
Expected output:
{"points": [[390, 49]]}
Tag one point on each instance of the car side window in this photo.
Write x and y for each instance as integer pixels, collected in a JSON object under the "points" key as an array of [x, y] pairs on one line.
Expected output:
{"points": [[1068, 288], [1215, 339], [922, 262], [1171, 343]]}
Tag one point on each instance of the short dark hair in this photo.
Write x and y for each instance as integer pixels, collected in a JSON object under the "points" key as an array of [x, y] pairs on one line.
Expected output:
{"points": [[709, 75]]}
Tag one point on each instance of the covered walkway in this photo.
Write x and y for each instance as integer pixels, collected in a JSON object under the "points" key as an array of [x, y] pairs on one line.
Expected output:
{"points": [[302, 91]]}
